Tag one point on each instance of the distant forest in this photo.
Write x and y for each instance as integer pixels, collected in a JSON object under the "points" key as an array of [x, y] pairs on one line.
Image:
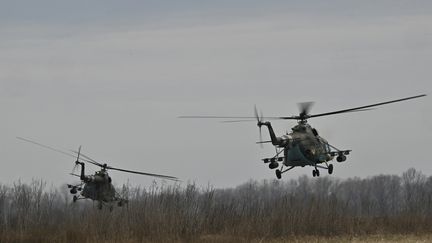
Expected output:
{"points": [[324, 206]]}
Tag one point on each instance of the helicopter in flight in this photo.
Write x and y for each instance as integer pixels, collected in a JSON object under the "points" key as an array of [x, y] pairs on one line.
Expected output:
{"points": [[303, 146], [97, 187]]}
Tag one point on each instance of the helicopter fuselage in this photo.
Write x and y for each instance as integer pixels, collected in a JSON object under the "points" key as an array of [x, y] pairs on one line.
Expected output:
{"points": [[99, 187], [303, 146]]}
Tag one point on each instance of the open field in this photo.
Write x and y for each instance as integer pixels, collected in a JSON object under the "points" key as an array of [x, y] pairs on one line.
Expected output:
{"points": [[384, 208], [333, 239], [409, 238]]}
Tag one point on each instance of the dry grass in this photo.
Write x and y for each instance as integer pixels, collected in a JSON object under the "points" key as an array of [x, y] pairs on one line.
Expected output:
{"points": [[410, 238], [376, 209]]}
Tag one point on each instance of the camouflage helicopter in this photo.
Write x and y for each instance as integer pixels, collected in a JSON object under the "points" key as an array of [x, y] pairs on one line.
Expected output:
{"points": [[97, 187], [303, 146]]}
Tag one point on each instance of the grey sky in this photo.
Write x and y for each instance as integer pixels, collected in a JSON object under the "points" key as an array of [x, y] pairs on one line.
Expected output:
{"points": [[114, 75]]}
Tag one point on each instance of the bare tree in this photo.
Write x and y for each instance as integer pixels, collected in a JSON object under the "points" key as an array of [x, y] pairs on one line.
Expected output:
{"points": [[253, 210]]}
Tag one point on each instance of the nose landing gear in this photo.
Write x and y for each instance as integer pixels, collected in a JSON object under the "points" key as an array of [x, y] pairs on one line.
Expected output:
{"points": [[328, 167]]}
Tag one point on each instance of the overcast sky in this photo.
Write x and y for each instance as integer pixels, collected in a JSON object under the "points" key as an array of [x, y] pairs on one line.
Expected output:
{"points": [[113, 76]]}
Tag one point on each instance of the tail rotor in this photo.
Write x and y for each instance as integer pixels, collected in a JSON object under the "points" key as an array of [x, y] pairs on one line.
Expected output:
{"points": [[77, 160], [259, 119], [78, 155]]}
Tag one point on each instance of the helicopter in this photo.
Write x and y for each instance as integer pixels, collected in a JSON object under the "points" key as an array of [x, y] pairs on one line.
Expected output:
{"points": [[303, 146], [97, 187]]}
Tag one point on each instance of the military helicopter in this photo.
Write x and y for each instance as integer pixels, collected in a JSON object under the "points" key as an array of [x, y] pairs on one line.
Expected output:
{"points": [[303, 146], [97, 187]]}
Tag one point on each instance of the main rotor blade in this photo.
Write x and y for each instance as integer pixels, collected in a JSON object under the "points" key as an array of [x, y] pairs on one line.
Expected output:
{"points": [[88, 159], [144, 173], [304, 107], [366, 106], [252, 118], [234, 121], [46, 146], [220, 117], [92, 161]]}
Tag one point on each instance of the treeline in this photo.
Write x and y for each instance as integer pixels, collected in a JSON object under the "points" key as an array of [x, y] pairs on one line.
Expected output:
{"points": [[324, 206]]}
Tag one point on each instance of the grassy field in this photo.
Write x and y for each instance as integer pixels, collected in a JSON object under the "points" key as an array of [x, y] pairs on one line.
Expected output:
{"points": [[321, 239], [384, 208], [383, 238]]}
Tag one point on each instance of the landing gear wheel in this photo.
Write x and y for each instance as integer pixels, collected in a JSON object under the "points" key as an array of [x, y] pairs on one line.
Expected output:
{"points": [[313, 173], [317, 172], [330, 169], [278, 174], [273, 165], [74, 199]]}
